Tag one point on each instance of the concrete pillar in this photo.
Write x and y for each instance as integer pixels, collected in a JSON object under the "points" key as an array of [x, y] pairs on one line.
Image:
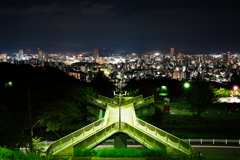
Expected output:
{"points": [[100, 114], [120, 140]]}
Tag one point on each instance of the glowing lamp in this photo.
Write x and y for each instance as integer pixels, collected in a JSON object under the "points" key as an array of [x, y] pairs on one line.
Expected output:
{"points": [[186, 85]]}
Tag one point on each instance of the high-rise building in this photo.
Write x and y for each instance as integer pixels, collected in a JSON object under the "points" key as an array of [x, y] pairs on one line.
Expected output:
{"points": [[40, 54], [229, 54], [182, 53], [96, 55], [172, 51], [28, 51], [20, 53]]}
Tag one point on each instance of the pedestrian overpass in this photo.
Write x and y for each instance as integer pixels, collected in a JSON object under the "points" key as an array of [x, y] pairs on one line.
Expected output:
{"points": [[97, 132]]}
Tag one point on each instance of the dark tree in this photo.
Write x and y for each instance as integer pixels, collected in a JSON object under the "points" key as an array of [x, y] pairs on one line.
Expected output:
{"points": [[199, 96], [103, 85]]}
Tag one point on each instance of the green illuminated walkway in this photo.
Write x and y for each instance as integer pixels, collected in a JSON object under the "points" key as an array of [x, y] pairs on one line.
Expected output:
{"points": [[95, 133]]}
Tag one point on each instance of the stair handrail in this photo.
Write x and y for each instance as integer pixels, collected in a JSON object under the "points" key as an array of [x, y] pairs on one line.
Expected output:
{"points": [[104, 119], [135, 119], [90, 97], [149, 97]]}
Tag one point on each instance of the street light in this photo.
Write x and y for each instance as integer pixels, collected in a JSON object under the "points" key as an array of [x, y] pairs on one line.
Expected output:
{"points": [[234, 89], [120, 97], [186, 85]]}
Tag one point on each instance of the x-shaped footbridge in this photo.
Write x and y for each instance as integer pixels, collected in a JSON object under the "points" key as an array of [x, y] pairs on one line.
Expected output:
{"points": [[95, 133]]}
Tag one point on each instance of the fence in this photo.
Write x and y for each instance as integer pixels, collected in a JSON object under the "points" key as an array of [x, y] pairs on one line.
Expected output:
{"points": [[213, 141]]}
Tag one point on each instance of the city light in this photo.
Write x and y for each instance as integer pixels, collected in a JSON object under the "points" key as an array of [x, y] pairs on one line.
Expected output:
{"points": [[235, 88]]}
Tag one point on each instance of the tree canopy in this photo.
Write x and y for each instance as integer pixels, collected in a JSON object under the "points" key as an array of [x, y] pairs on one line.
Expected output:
{"points": [[102, 85], [199, 96]]}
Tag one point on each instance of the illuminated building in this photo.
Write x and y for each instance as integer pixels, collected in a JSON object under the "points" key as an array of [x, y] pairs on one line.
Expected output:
{"points": [[229, 54], [28, 51], [172, 51], [176, 75], [20, 53], [4, 57], [40, 54], [96, 56]]}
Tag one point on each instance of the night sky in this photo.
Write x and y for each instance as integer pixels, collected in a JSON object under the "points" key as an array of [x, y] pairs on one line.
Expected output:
{"points": [[206, 26]]}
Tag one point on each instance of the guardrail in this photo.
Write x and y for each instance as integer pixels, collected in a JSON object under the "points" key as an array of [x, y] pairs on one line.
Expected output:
{"points": [[77, 135], [213, 141], [162, 135], [144, 102]]}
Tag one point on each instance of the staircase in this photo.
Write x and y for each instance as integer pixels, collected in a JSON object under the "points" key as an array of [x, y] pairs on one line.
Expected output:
{"points": [[97, 132]]}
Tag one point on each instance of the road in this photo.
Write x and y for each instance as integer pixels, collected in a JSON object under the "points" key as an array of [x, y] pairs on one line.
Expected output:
{"points": [[221, 152], [217, 149]]}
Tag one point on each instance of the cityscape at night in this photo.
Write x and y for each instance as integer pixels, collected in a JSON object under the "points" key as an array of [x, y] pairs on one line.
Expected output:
{"points": [[123, 79]]}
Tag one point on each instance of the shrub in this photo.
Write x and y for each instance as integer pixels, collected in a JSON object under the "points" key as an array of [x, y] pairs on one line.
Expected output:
{"points": [[121, 152], [130, 152], [7, 154], [80, 152]]}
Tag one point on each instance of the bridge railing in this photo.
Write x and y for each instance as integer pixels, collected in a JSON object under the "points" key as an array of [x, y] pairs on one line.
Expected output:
{"points": [[100, 136], [162, 135], [139, 135], [144, 102], [77, 135], [132, 100], [116, 102], [108, 100], [96, 101]]}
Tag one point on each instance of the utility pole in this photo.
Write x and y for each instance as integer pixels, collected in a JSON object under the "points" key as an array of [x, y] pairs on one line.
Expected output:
{"points": [[30, 115], [29, 105]]}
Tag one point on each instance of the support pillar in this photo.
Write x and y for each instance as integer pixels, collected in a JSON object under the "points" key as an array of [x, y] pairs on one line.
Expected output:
{"points": [[100, 114], [120, 140]]}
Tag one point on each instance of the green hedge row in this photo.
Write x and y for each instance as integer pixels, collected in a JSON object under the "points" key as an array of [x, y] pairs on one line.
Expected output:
{"points": [[7, 154], [121, 152]]}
